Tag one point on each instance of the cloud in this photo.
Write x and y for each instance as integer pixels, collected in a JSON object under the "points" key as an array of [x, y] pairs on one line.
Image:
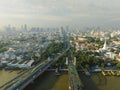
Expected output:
{"points": [[62, 11], [116, 19]]}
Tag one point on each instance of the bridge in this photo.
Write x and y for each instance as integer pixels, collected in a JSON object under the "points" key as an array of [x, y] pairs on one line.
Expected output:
{"points": [[28, 76], [75, 82]]}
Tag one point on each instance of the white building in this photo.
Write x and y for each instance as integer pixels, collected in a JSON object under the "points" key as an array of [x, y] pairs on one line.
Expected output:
{"points": [[104, 46]]}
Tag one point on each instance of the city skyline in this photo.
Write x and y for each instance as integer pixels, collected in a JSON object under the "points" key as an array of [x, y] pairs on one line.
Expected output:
{"points": [[60, 12]]}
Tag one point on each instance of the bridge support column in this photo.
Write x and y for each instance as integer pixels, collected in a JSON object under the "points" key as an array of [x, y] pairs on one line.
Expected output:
{"points": [[74, 62], [66, 61]]}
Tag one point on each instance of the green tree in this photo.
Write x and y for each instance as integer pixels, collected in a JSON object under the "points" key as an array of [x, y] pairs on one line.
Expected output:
{"points": [[118, 65]]}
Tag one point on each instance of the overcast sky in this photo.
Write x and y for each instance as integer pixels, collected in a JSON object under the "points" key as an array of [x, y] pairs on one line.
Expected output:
{"points": [[60, 12]]}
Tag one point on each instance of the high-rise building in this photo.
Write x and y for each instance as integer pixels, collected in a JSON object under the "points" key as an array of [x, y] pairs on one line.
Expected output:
{"points": [[25, 27]]}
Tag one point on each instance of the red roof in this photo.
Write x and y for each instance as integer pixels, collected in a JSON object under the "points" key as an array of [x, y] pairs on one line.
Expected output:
{"points": [[118, 57]]}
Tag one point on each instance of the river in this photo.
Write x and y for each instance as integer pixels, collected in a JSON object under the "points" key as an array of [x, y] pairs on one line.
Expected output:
{"points": [[49, 81], [6, 75]]}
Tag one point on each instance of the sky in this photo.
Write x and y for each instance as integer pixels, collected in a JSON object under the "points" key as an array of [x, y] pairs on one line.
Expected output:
{"points": [[60, 12]]}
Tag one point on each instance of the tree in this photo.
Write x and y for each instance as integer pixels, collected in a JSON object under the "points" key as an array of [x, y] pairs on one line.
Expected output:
{"points": [[118, 65], [103, 64], [87, 66], [2, 49]]}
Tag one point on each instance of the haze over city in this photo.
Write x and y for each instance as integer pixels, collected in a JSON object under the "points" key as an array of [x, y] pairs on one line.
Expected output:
{"points": [[60, 12]]}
